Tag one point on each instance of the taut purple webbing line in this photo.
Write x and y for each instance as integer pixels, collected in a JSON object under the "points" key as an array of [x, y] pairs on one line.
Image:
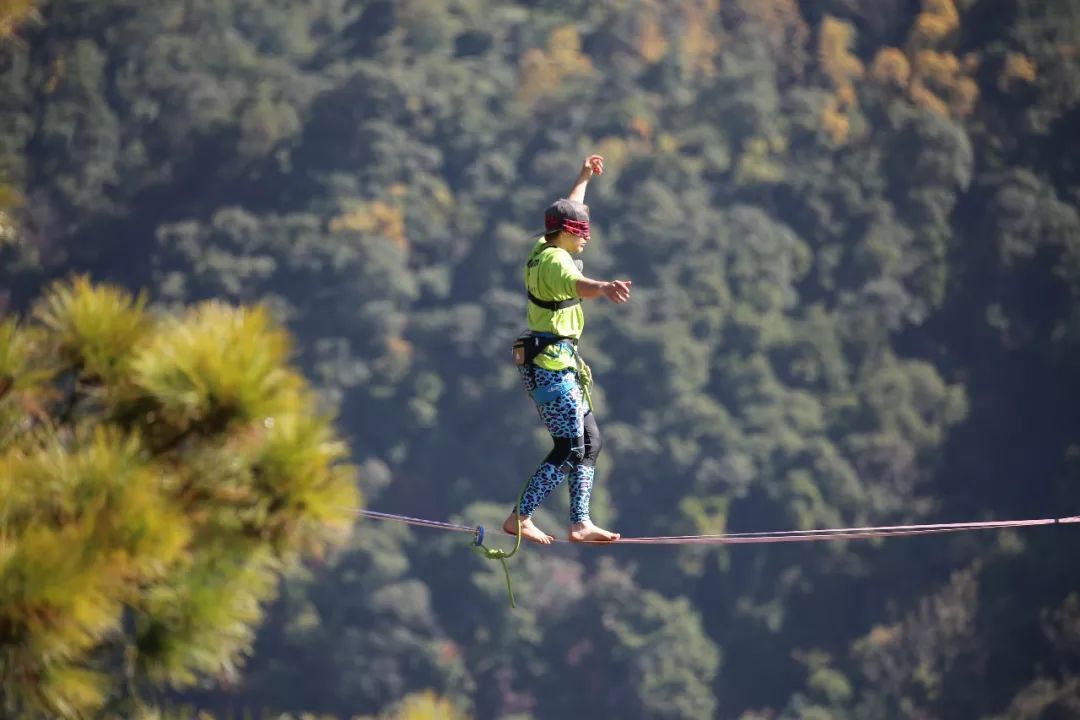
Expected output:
{"points": [[419, 522], [750, 538], [860, 533]]}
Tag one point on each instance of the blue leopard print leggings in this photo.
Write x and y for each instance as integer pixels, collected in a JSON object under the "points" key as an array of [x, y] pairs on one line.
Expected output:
{"points": [[577, 443]]}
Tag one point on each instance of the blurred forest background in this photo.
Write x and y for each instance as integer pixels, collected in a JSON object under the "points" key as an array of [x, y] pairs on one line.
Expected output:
{"points": [[853, 231]]}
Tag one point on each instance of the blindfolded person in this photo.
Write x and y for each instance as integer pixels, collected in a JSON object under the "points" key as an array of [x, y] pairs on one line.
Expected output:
{"points": [[552, 370]]}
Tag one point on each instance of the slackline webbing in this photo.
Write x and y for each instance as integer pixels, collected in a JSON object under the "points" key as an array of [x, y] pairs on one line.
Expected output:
{"points": [[748, 538], [740, 538]]}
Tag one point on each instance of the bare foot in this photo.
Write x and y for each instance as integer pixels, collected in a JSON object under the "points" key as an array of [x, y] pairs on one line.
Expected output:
{"points": [[529, 531], [587, 532]]}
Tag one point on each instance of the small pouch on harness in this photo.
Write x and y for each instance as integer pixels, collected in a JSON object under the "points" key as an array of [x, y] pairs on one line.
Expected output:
{"points": [[518, 350], [529, 344]]}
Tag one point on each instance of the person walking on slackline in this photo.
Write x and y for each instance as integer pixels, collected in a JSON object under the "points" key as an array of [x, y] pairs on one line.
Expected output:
{"points": [[553, 373]]}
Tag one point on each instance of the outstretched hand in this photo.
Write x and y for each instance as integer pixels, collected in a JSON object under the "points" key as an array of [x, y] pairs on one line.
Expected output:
{"points": [[618, 291]]}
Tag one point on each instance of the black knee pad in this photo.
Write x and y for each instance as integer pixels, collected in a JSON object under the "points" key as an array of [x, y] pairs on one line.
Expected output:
{"points": [[567, 452]]}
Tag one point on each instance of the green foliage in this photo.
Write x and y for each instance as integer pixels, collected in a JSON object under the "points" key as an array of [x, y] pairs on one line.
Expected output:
{"points": [[216, 364], [853, 236], [120, 548], [95, 328], [424, 706]]}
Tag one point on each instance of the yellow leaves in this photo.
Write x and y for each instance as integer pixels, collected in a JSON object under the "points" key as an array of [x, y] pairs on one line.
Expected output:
{"points": [[932, 77], [376, 218], [842, 68], [14, 13], [846, 98], [642, 128], [9, 198], [930, 29], [652, 43], [944, 9], [564, 44], [936, 67], [543, 70], [891, 67], [1018, 71], [940, 74], [834, 52], [964, 96], [399, 347], [699, 44], [686, 29], [936, 23], [425, 705]]}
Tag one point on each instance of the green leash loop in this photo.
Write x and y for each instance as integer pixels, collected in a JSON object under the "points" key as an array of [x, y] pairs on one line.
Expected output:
{"points": [[498, 553], [501, 556], [584, 374]]}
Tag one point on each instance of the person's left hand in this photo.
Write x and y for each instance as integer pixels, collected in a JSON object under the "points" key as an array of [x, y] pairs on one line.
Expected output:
{"points": [[593, 165]]}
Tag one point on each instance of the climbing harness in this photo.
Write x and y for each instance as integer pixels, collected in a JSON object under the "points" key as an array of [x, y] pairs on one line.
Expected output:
{"points": [[552, 305], [530, 344]]}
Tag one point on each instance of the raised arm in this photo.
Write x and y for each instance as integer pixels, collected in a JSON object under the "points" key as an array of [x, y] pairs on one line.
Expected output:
{"points": [[593, 165]]}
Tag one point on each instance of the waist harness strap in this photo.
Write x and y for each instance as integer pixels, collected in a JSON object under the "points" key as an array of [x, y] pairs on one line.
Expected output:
{"points": [[532, 344], [554, 305]]}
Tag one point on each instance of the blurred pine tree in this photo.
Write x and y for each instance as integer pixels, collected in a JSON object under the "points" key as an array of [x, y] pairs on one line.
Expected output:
{"points": [[157, 474]]}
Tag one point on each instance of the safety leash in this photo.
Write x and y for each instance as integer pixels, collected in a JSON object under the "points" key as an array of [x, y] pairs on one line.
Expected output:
{"points": [[739, 538], [498, 553]]}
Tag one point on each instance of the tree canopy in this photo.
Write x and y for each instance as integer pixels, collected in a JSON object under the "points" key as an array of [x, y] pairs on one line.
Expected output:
{"points": [[853, 230]]}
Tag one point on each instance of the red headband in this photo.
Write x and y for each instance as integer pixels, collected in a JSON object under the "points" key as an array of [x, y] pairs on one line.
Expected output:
{"points": [[574, 227]]}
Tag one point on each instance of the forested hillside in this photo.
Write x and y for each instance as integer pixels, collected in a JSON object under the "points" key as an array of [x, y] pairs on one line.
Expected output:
{"points": [[853, 230]]}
